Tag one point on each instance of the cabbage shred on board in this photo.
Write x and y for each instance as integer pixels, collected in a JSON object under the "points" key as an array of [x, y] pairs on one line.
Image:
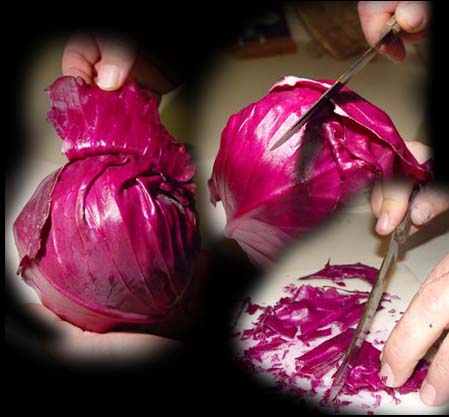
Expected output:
{"points": [[111, 237], [305, 335], [272, 197]]}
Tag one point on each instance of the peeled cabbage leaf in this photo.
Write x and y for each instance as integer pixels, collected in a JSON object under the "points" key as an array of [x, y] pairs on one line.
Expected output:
{"points": [[339, 273], [272, 197], [111, 237]]}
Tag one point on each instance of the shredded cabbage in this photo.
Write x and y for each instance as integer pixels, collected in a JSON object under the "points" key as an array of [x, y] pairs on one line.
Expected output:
{"points": [[318, 322]]}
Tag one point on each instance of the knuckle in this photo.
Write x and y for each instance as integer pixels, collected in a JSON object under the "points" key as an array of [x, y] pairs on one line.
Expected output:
{"points": [[433, 297], [407, 331], [394, 202], [395, 352], [439, 368], [420, 151], [376, 203]]}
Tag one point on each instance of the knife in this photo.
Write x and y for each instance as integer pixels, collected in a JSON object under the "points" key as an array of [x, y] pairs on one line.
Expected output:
{"points": [[398, 237], [388, 34]]}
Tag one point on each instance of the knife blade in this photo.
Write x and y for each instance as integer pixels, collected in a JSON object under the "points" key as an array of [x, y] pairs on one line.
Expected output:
{"points": [[388, 34], [398, 237]]}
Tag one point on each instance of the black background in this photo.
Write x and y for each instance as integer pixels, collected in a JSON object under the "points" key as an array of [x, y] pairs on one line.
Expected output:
{"points": [[201, 378]]}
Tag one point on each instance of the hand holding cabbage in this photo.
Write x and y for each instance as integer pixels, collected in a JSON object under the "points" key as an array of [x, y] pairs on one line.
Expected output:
{"points": [[110, 239], [109, 61]]}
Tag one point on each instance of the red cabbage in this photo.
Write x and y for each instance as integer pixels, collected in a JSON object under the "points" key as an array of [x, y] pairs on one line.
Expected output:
{"points": [[337, 273], [272, 197], [326, 317], [111, 237], [318, 361]]}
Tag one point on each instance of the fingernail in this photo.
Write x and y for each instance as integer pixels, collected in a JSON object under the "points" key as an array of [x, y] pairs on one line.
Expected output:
{"points": [[383, 223], [386, 375], [428, 394], [421, 213], [412, 14], [108, 77]]}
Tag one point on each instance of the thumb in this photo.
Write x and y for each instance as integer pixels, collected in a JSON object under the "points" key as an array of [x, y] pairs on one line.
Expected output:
{"points": [[429, 202], [116, 63], [395, 198], [413, 16]]}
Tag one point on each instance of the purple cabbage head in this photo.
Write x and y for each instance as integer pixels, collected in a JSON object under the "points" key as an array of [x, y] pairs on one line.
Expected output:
{"points": [[272, 197], [111, 237]]}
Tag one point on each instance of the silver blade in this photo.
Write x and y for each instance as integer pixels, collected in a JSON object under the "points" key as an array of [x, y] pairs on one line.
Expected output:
{"points": [[365, 321], [390, 31], [308, 114], [398, 237]]}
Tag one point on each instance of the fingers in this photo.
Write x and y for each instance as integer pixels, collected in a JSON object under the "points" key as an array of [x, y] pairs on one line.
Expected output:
{"points": [[79, 57], [395, 199], [114, 348], [150, 77], [128, 344], [421, 325], [117, 60], [389, 204], [428, 203], [105, 60], [373, 16], [376, 199], [413, 18], [414, 37], [43, 314], [51, 320], [420, 151], [108, 61], [435, 388], [389, 200], [75, 345]]}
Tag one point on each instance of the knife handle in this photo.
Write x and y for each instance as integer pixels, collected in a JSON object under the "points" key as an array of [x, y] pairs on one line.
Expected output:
{"points": [[388, 34], [390, 30], [402, 231]]}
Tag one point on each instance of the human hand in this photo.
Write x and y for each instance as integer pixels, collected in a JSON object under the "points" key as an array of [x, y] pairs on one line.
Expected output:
{"points": [[110, 60], [389, 200], [412, 16], [427, 316], [74, 345], [426, 319]]}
